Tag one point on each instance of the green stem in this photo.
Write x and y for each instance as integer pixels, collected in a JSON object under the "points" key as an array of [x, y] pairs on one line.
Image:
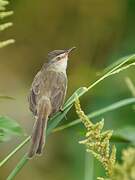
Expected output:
{"points": [[130, 85], [89, 166], [96, 82], [18, 167], [21, 163], [14, 151]]}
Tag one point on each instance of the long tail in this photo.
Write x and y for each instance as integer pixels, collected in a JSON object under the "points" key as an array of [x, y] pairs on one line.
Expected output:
{"points": [[39, 130]]}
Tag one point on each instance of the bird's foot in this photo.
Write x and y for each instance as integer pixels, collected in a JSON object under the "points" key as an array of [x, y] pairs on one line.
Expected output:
{"points": [[61, 110]]}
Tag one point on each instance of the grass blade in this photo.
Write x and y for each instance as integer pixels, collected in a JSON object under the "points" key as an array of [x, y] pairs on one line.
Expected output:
{"points": [[19, 166], [78, 93], [56, 120], [99, 112], [120, 65], [130, 86], [14, 151]]}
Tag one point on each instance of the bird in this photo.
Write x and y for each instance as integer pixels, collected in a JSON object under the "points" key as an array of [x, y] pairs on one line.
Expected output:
{"points": [[47, 95]]}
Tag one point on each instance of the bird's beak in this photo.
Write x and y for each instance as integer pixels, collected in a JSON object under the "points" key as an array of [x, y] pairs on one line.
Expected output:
{"points": [[71, 49]]}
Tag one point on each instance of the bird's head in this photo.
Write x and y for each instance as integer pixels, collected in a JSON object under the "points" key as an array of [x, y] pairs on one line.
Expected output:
{"points": [[59, 55]]}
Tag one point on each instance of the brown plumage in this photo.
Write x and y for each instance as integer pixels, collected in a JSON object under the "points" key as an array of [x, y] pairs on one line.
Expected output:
{"points": [[47, 96]]}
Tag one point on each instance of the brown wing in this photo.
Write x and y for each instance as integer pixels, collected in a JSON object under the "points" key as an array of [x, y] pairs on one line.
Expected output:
{"points": [[58, 91], [34, 91]]}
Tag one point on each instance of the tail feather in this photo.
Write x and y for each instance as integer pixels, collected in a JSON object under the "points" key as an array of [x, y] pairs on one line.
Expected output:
{"points": [[43, 137], [38, 136], [35, 138]]}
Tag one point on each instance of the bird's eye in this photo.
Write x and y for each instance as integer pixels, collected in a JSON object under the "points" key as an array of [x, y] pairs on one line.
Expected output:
{"points": [[58, 58]]}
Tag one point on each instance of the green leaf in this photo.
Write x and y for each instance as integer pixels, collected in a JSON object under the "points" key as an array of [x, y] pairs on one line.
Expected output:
{"points": [[120, 65], [9, 127], [125, 134], [78, 93], [56, 120]]}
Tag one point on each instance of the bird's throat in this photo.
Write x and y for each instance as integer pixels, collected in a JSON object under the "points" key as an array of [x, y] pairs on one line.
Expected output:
{"points": [[61, 65]]}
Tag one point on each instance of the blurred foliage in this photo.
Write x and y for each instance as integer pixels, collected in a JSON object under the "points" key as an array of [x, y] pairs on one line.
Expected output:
{"points": [[3, 14], [8, 128], [125, 170]]}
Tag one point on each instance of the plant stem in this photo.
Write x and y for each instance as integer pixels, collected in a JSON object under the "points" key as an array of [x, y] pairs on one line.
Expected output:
{"points": [[96, 82], [18, 167], [89, 166], [130, 85], [14, 151]]}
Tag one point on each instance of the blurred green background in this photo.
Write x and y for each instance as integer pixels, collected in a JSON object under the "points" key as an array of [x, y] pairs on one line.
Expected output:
{"points": [[102, 31]]}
